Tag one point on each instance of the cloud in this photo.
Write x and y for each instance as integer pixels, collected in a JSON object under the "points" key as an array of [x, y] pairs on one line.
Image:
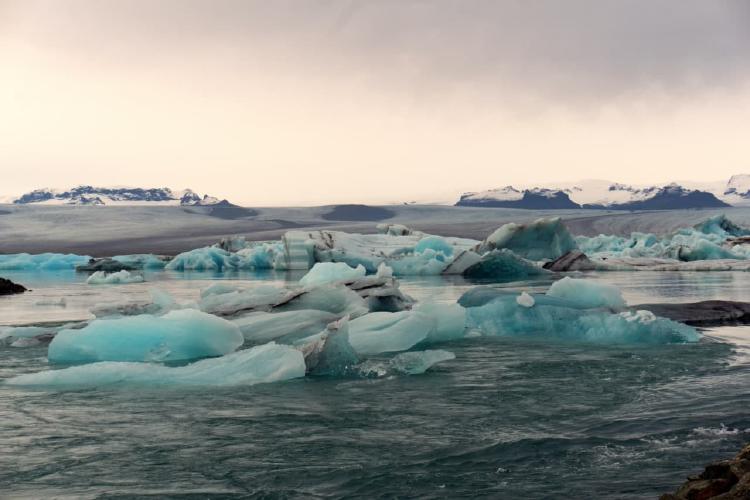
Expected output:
{"points": [[569, 51]]}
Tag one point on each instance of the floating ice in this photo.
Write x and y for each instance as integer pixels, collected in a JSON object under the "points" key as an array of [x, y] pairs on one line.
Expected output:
{"points": [[331, 272], [259, 298], [525, 300], [503, 265], [336, 299], [41, 262], [381, 332], [120, 277], [418, 362], [261, 364], [714, 239], [436, 243], [25, 336], [538, 240], [329, 353], [218, 289], [177, 336], [283, 327], [204, 259], [450, 320], [565, 319], [142, 261], [587, 293]]}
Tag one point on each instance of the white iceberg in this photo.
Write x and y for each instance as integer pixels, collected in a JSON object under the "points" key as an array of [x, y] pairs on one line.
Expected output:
{"points": [[283, 327], [323, 273], [118, 278]]}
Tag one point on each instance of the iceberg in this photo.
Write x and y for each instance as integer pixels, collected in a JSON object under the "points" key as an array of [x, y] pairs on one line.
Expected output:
{"points": [[570, 320], [381, 332], [217, 289], [336, 299], [543, 239], [450, 321], [179, 335], [260, 298], [587, 293], [142, 261], [120, 277], [329, 353], [41, 262], [503, 265], [323, 273], [261, 364], [283, 327], [435, 243], [203, 259]]}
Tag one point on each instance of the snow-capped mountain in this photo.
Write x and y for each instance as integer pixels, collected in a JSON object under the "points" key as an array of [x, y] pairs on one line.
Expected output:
{"points": [[90, 195], [616, 196]]}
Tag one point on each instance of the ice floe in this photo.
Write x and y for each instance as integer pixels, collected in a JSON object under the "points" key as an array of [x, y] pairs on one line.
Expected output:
{"points": [[179, 335], [262, 364], [118, 278]]}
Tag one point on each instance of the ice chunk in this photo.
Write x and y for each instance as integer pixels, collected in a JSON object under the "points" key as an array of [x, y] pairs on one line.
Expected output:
{"points": [[336, 299], [217, 289], [721, 226], [283, 327], [142, 261], [329, 353], [298, 251], [381, 332], [41, 262], [503, 265], [418, 362], [435, 243], [538, 240], [587, 293], [203, 259], [25, 336], [393, 229], [525, 300], [450, 321], [118, 278], [259, 298], [177, 336], [560, 318], [332, 272], [261, 364]]}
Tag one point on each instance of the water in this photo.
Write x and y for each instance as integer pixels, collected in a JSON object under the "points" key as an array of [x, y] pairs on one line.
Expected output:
{"points": [[506, 419]]}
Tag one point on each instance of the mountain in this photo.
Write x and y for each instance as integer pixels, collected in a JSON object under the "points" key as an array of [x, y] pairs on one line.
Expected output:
{"points": [[90, 195], [615, 196]]}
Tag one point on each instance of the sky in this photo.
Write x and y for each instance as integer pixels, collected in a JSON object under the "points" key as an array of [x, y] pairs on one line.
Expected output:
{"points": [[308, 102]]}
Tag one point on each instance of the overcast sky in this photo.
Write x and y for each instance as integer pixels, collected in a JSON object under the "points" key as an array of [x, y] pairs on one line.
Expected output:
{"points": [[324, 101]]}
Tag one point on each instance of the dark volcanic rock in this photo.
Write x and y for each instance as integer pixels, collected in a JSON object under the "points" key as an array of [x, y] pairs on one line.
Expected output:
{"points": [[7, 287], [706, 313], [575, 260], [725, 480]]}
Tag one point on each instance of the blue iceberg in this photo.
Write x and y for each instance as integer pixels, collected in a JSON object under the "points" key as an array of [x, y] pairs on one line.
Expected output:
{"points": [[261, 364], [179, 335], [118, 278], [41, 262], [543, 239]]}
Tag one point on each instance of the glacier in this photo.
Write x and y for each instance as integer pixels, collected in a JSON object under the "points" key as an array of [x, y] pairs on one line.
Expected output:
{"points": [[179, 335], [262, 364]]}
